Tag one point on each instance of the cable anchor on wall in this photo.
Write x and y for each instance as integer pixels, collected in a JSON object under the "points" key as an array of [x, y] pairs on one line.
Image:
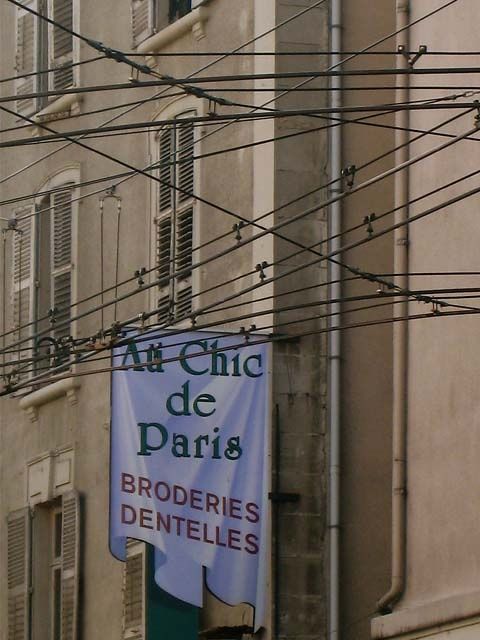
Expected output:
{"points": [[476, 120], [349, 173], [52, 315], [237, 227], [142, 318], [138, 274], [246, 332], [260, 267], [368, 221], [412, 59]]}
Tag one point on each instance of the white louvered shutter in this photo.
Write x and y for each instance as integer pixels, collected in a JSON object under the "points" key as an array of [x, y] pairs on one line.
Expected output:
{"points": [[183, 262], [61, 261], [18, 573], [23, 284], [142, 20], [165, 174], [184, 217], [70, 564], [26, 61], [185, 140], [60, 44], [134, 592]]}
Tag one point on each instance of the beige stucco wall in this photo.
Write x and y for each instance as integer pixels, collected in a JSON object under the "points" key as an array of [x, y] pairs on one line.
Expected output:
{"points": [[443, 410]]}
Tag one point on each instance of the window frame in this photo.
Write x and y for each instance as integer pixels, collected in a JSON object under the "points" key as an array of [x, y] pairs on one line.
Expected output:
{"points": [[173, 110], [156, 25], [67, 176], [43, 34]]}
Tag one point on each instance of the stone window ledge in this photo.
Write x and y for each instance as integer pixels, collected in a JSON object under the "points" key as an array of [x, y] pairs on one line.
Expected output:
{"points": [[63, 107], [193, 21], [67, 387]]}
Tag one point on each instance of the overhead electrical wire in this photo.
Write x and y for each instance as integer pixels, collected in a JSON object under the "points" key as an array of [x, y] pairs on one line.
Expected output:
{"points": [[202, 68], [346, 193], [250, 343], [239, 48], [448, 3]]}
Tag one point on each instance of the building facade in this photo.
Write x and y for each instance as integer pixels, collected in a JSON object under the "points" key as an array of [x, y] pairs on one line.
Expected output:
{"points": [[89, 244], [131, 195]]}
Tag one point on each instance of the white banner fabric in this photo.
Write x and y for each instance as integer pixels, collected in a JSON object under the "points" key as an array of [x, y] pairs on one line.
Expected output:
{"points": [[189, 462]]}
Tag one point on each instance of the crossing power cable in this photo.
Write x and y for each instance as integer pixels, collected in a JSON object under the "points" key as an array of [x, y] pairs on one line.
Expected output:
{"points": [[242, 46], [345, 194], [386, 37], [202, 68], [297, 199]]}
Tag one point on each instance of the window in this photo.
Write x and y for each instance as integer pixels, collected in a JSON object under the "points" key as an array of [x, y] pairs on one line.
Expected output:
{"points": [[175, 221], [134, 588], [42, 278], [39, 46], [43, 570], [150, 16]]}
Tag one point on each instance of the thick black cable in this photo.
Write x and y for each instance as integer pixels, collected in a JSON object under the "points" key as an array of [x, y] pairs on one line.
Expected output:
{"points": [[268, 339], [345, 266]]}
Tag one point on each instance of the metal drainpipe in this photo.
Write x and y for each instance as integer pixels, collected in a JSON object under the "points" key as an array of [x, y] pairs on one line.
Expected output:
{"points": [[335, 338], [400, 339]]}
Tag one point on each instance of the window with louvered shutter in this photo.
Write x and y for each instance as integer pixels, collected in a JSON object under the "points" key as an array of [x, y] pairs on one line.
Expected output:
{"points": [[142, 20], [166, 174], [61, 249], [134, 592], [175, 220], [23, 286], [26, 48], [70, 565], [185, 157], [61, 44], [18, 574]]}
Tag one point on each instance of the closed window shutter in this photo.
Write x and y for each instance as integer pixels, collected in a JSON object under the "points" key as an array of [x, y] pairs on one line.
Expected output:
{"points": [[61, 44], [61, 261], [164, 242], [23, 261], [26, 48], [175, 221], [134, 592], [23, 285], [183, 262], [70, 564], [18, 573], [142, 20], [184, 243], [185, 156], [165, 194]]}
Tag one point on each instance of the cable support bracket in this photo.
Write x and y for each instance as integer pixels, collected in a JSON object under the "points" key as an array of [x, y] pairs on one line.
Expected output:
{"points": [[138, 274], [476, 120], [246, 332], [237, 227], [412, 59], [367, 220], [260, 267], [349, 173]]}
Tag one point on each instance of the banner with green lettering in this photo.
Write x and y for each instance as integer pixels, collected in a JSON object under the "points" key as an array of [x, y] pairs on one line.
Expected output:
{"points": [[189, 472]]}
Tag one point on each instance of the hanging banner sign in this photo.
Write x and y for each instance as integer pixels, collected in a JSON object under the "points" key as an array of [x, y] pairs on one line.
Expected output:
{"points": [[188, 471]]}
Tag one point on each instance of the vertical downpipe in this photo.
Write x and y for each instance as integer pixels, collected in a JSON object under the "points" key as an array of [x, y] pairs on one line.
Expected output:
{"points": [[400, 335], [334, 347]]}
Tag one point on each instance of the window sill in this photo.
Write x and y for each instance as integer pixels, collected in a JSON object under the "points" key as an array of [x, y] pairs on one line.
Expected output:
{"points": [[63, 107], [36, 399], [193, 21]]}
